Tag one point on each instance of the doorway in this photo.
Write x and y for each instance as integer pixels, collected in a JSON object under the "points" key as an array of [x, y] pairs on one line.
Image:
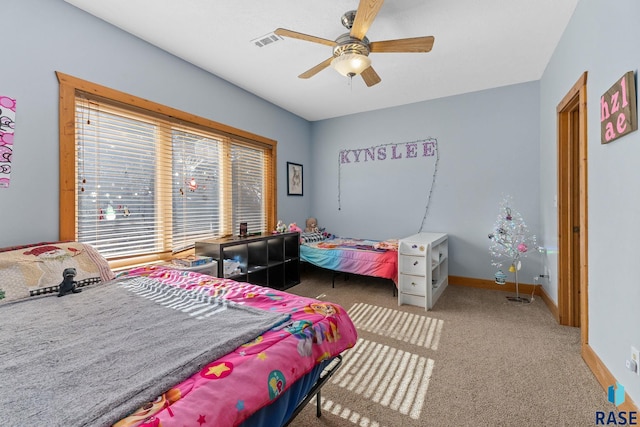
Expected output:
{"points": [[572, 208]]}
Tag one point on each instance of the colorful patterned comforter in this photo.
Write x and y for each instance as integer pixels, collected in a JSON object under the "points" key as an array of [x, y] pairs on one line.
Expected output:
{"points": [[357, 256], [230, 389]]}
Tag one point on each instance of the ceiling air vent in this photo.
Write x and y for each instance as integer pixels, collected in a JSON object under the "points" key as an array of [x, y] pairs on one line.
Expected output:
{"points": [[266, 39]]}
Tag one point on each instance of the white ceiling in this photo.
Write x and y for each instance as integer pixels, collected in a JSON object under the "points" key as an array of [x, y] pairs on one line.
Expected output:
{"points": [[478, 45]]}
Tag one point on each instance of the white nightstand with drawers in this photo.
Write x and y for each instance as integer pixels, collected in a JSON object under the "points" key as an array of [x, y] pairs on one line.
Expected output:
{"points": [[423, 269]]}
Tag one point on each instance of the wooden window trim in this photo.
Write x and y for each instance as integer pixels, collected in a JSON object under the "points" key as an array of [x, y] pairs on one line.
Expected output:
{"points": [[70, 86]]}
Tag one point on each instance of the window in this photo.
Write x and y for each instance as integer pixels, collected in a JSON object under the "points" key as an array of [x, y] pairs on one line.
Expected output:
{"points": [[145, 181]]}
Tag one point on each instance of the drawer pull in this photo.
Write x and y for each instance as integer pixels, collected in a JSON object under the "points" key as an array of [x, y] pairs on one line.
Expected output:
{"points": [[415, 262], [414, 284], [414, 246]]}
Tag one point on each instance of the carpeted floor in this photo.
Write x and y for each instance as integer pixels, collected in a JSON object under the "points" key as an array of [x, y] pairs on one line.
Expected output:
{"points": [[476, 359]]}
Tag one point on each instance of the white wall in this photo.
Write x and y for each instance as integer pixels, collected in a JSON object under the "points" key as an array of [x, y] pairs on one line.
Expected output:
{"points": [[488, 144], [601, 39], [44, 36]]}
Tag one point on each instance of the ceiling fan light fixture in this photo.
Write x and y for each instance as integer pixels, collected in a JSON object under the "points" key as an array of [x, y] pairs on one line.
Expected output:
{"points": [[351, 64]]}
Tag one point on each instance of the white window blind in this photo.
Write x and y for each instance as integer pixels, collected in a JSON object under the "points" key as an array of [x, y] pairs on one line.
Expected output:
{"points": [[196, 188], [248, 187], [117, 206], [147, 184]]}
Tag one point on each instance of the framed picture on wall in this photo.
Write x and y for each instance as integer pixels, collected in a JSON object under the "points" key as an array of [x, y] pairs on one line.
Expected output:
{"points": [[294, 179]]}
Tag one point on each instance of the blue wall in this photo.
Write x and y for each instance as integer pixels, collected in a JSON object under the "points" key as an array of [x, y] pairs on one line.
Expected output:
{"points": [[487, 140], [488, 144], [601, 39], [45, 36]]}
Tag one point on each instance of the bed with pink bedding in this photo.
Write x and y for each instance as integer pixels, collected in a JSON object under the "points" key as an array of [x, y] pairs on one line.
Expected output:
{"points": [[260, 382], [356, 256]]}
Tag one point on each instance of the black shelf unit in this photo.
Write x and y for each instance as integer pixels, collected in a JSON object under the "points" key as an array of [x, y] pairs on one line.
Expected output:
{"points": [[271, 260]]}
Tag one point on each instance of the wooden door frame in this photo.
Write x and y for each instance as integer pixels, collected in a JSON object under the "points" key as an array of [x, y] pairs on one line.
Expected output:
{"points": [[574, 101]]}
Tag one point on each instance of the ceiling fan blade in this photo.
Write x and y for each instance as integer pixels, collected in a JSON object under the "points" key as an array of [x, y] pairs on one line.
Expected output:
{"points": [[367, 11], [293, 34], [315, 70], [370, 77], [415, 44]]}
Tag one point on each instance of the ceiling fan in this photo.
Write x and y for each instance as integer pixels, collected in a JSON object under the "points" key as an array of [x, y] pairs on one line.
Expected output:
{"points": [[351, 50]]}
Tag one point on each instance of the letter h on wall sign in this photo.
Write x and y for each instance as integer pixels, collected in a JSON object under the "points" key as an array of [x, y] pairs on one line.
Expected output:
{"points": [[618, 114]]}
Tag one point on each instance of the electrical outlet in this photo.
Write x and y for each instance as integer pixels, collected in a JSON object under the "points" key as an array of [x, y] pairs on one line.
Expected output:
{"points": [[635, 356]]}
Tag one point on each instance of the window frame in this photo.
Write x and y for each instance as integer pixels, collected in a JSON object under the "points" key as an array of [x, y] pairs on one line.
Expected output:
{"points": [[70, 86]]}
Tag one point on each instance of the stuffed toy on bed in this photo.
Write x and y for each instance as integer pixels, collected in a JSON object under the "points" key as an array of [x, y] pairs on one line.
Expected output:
{"points": [[68, 285], [311, 225], [312, 233]]}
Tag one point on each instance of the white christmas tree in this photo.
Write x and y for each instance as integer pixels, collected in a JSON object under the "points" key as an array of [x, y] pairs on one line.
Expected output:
{"points": [[510, 241]]}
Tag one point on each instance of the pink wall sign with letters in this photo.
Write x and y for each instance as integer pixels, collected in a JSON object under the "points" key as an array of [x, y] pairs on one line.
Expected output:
{"points": [[7, 126], [618, 115]]}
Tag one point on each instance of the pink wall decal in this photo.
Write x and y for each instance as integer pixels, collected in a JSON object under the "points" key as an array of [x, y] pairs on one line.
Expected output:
{"points": [[7, 126]]}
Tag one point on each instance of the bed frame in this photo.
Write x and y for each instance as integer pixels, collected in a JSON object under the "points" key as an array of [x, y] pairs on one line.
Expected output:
{"points": [[316, 390], [336, 273]]}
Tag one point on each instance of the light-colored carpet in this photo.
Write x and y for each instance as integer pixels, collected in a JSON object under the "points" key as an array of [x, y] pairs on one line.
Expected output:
{"points": [[476, 359]]}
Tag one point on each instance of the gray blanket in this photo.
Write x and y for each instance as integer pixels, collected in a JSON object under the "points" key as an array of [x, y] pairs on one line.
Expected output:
{"points": [[92, 358]]}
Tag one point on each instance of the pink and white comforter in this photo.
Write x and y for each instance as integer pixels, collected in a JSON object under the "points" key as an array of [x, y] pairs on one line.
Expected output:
{"points": [[230, 389]]}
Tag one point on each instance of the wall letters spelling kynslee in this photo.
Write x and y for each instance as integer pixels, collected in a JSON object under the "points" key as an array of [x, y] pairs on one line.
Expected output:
{"points": [[392, 151]]}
